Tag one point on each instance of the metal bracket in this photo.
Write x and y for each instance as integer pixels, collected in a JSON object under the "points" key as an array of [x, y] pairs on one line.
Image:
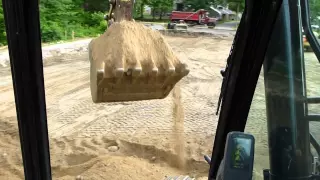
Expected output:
{"points": [[315, 166]]}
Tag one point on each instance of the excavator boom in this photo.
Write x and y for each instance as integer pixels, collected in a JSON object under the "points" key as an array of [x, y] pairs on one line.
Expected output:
{"points": [[120, 10]]}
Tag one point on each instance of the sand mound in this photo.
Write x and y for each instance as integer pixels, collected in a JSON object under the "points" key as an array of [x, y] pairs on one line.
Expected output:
{"points": [[131, 45], [120, 168]]}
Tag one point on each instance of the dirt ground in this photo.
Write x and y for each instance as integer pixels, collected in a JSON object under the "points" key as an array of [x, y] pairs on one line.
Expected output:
{"points": [[131, 140]]}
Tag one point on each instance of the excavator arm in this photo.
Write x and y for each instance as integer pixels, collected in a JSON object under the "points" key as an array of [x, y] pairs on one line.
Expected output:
{"points": [[120, 10]]}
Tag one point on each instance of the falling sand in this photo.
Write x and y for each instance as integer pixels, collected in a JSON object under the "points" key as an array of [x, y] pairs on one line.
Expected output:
{"points": [[178, 126]]}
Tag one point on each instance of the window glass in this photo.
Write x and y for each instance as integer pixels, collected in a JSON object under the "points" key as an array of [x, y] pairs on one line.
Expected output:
{"points": [[11, 166]]}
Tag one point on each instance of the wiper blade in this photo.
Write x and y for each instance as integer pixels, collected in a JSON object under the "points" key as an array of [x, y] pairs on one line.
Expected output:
{"points": [[226, 72], [242, 72]]}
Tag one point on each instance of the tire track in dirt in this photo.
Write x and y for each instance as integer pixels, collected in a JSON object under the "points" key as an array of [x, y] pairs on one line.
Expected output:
{"points": [[65, 119], [60, 86], [81, 157], [130, 118], [79, 129]]}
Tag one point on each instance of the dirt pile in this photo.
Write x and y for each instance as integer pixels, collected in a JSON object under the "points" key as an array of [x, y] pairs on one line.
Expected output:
{"points": [[93, 159], [121, 168], [131, 45]]}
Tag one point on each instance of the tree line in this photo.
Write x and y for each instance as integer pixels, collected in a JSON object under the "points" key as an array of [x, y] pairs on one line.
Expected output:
{"points": [[159, 7], [59, 18]]}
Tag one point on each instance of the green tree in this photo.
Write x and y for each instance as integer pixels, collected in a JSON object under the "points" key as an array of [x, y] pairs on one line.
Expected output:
{"points": [[165, 6], [160, 7], [95, 5], [58, 18], [54, 14], [236, 5], [154, 4], [3, 38], [139, 7], [195, 5], [314, 11]]}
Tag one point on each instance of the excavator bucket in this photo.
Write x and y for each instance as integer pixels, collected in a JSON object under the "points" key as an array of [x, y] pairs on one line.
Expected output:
{"points": [[115, 77], [132, 84]]}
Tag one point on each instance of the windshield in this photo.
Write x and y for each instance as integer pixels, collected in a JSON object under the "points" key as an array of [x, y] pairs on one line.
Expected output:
{"points": [[312, 79], [92, 137], [271, 87]]}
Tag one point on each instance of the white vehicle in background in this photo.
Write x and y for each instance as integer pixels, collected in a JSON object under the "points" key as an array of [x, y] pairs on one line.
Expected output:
{"points": [[155, 26], [315, 27]]}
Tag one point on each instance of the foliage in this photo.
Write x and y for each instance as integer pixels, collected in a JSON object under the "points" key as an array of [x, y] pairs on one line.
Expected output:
{"points": [[94, 5], [3, 38], [194, 5], [198, 4], [315, 11], [59, 18], [139, 7], [236, 5], [159, 7]]}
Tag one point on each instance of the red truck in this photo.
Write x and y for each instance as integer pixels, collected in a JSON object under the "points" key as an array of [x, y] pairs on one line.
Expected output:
{"points": [[198, 17]]}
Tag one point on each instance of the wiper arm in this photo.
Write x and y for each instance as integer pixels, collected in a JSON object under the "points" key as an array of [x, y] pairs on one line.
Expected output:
{"points": [[226, 72], [242, 72]]}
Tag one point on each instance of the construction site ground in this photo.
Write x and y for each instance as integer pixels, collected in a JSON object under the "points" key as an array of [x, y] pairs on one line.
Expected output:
{"points": [[130, 140]]}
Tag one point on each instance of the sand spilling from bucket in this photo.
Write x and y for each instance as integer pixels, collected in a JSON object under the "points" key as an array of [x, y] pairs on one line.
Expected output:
{"points": [[131, 45], [178, 126]]}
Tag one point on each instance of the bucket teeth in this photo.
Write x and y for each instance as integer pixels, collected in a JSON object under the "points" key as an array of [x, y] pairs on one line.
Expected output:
{"points": [[185, 68], [182, 69], [134, 84], [154, 71], [100, 74], [171, 71], [119, 72], [136, 72]]}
